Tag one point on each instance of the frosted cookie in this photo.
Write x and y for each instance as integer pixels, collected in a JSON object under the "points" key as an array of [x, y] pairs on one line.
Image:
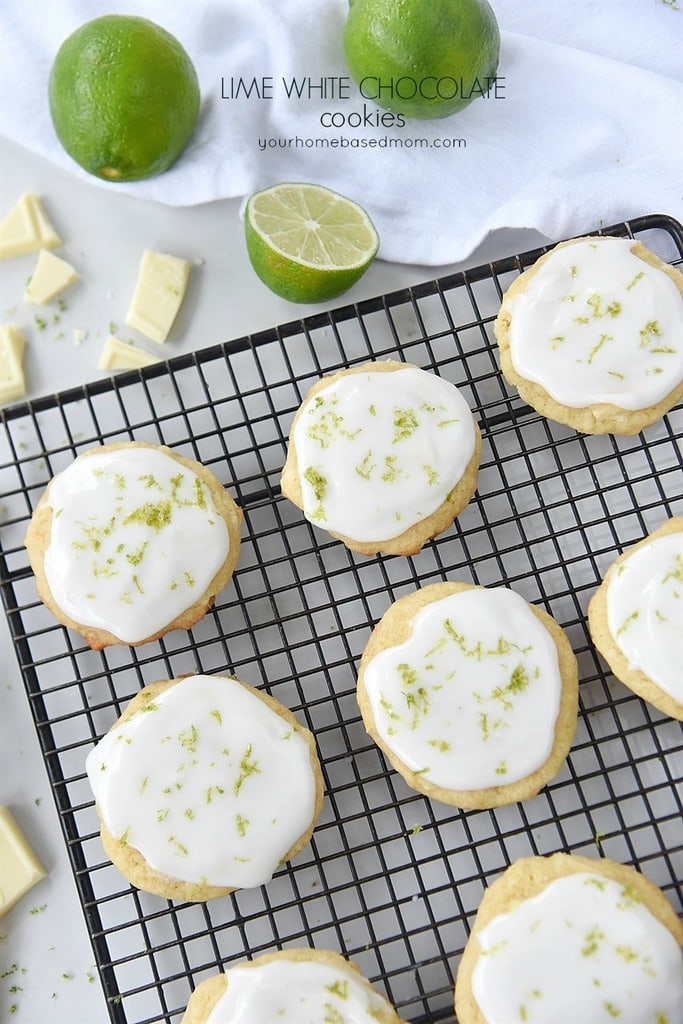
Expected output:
{"points": [[383, 456], [204, 785], [471, 693], [636, 618], [131, 541], [295, 986], [592, 335], [568, 939]]}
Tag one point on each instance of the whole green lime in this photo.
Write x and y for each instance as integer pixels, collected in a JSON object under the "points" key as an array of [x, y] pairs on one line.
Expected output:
{"points": [[422, 58], [124, 97]]}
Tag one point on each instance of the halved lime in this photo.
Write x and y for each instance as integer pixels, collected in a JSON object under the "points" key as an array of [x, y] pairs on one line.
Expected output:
{"points": [[306, 242]]}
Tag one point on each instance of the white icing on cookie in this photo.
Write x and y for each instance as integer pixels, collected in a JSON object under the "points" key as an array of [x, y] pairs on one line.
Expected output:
{"points": [[471, 699], [209, 783], [645, 611], [296, 992], [585, 949], [135, 540], [597, 324], [379, 451]]}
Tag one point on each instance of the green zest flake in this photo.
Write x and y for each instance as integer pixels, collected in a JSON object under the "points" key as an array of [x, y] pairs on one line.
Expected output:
{"points": [[189, 578], [628, 622], [650, 331], [180, 850], [329, 426], [163, 814], [629, 897], [247, 767], [592, 942], [405, 424], [217, 715], [596, 348], [319, 484], [571, 297], [635, 280], [443, 746], [95, 534], [138, 585], [339, 989], [189, 814], [408, 675], [241, 825], [502, 768], [519, 680], [332, 1016], [662, 1018], [144, 784], [150, 706], [556, 341], [150, 481], [106, 569], [189, 738], [594, 302], [599, 883], [612, 1010], [573, 270], [447, 423], [317, 481], [676, 570], [136, 556], [627, 953], [372, 409], [432, 475], [123, 841], [211, 791], [523, 1013], [156, 515], [365, 468], [390, 473], [388, 708]]}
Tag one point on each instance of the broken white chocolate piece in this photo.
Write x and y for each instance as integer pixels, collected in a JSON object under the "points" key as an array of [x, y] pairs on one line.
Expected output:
{"points": [[12, 344], [20, 869], [26, 228], [118, 355], [159, 291], [51, 276]]}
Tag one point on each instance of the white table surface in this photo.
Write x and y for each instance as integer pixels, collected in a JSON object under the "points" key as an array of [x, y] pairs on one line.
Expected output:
{"points": [[46, 963]]}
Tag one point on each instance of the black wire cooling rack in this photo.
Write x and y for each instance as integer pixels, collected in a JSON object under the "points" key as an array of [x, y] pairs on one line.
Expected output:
{"points": [[390, 879]]}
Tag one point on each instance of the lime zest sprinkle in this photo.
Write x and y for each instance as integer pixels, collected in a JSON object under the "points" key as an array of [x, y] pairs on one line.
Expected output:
{"points": [[247, 767], [405, 424]]}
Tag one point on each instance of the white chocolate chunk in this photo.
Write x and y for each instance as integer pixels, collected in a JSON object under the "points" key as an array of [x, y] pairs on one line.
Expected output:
{"points": [[12, 344], [159, 291], [20, 869], [51, 276], [118, 355], [26, 228]]}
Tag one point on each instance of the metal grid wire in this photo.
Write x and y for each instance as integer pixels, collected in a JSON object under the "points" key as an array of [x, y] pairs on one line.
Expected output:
{"points": [[390, 879]]}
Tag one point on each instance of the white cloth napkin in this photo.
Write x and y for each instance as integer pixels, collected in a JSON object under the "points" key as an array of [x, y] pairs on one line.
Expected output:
{"points": [[589, 130]]}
